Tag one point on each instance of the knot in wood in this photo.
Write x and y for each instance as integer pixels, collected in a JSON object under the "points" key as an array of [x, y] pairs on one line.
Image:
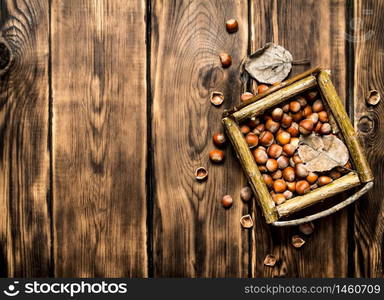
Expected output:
{"points": [[373, 97], [365, 124], [5, 57]]}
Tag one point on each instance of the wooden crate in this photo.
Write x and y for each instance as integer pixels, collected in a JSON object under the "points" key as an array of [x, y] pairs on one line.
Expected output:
{"points": [[314, 78]]}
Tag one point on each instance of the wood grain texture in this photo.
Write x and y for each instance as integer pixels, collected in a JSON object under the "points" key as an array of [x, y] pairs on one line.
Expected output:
{"points": [[310, 30], [368, 42], [99, 138], [24, 155], [194, 236]]}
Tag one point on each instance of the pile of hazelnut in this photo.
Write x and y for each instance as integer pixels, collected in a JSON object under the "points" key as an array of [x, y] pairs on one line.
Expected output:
{"points": [[274, 139]]}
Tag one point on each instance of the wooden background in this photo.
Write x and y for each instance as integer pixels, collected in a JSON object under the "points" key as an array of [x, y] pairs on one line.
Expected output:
{"points": [[105, 115]]}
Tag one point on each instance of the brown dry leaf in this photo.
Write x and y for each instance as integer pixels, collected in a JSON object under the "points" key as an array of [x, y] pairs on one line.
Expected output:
{"points": [[269, 64], [322, 153]]}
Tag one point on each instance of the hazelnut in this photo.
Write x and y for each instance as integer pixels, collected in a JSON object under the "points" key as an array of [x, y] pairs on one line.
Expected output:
{"points": [[301, 171], [266, 138], [317, 106], [307, 228], [312, 177], [252, 140], [201, 174], [279, 185], [302, 187], [283, 138], [314, 117], [289, 149], [292, 162], [302, 101], [225, 59], [278, 199], [216, 156], [323, 116], [312, 95], [297, 160], [219, 139], [263, 169], [259, 129], [288, 194], [326, 128], [307, 111], [293, 130], [270, 260], [297, 241], [260, 156], [323, 180], [291, 186], [227, 201], [271, 165], [297, 117], [318, 127], [286, 120], [275, 151], [294, 106], [246, 96], [266, 117], [306, 126], [262, 88], [289, 174], [246, 194], [295, 141], [277, 114], [245, 129], [246, 221], [272, 126], [232, 25], [282, 162], [217, 98], [334, 174], [286, 108], [253, 122], [277, 175], [268, 180]]}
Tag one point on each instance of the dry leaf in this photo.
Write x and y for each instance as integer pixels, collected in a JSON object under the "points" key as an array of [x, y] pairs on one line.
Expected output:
{"points": [[322, 153], [269, 64]]}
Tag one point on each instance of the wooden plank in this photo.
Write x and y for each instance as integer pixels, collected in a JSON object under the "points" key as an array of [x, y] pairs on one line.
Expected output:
{"points": [[194, 236], [368, 75], [310, 30], [99, 138], [24, 157]]}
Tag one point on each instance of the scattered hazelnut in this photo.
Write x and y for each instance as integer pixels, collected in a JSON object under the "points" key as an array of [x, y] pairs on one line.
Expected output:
{"points": [[294, 106], [253, 122], [275, 151], [263, 169], [297, 117], [201, 174], [286, 121], [289, 149], [217, 98], [219, 139], [306, 126], [283, 162], [225, 59], [293, 130], [307, 111], [323, 180], [314, 117], [246, 221], [311, 177], [246, 194], [334, 174], [302, 187], [286, 108], [289, 174], [279, 185], [277, 114], [283, 138], [272, 126], [259, 129], [270, 260], [266, 138], [307, 228], [297, 241], [260, 156], [301, 171], [302, 101], [326, 128], [245, 129], [295, 141], [232, 25], [262, 88], [296, 158], [291, 186], [216, 156], [271, 165], [278, 199], [288, 194], [252, 140], [277, 175], [317, 106], [318, 127], [227, 201], [323, 116], [246, 96], [268, 180]]}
